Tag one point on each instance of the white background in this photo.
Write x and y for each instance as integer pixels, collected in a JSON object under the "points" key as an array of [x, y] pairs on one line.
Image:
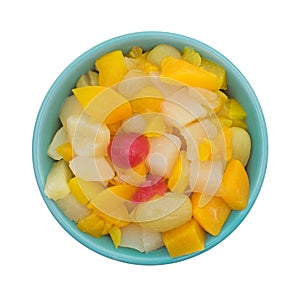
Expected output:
{"points": [[39, 39]]}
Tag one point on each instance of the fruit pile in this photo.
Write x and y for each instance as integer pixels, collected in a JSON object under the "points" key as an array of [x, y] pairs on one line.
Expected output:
{"points": [[151, 151]]}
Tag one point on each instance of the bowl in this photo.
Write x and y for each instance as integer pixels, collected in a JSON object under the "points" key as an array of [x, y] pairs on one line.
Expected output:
{"points": [[47, 123]]}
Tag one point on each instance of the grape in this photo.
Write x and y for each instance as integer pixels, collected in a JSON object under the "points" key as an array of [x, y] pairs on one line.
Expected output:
{"points": [[241, 145], [160, 51]]}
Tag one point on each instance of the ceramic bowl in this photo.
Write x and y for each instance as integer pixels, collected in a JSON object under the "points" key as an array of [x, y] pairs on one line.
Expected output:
{"points": [[47, 123]]}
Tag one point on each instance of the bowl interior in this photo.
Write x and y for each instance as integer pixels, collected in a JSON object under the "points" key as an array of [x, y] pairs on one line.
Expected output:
{"points": [[47, 124]]}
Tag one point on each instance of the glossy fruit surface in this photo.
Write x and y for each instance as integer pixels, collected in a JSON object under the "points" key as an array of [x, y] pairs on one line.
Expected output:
{"points": [[128, 150]]}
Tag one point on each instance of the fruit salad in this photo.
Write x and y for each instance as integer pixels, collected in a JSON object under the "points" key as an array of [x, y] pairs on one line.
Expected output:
{"points": [[151, 151]]}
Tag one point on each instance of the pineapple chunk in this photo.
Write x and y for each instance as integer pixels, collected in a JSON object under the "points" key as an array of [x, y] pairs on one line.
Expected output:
{"points": [[71, 106], [89, 79], [135, 52], [72, 209], [191, 56], [92, 169], [216, 69], [131, 237], [88, 138], [183, 107], [59, 138], [236, 111], [57, 181], [138, 238], [165, 213]]}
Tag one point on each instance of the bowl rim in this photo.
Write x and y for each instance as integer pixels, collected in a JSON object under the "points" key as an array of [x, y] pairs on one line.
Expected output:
{"points": [[103, 46]]}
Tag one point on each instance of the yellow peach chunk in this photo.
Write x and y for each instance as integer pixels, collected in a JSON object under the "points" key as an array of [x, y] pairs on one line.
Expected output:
{"points": [[141, 169], [77, 191], [65, 150], [194, 76], [114, 128], [106, 228], [235, 187], [103, 105], [205, 150], [91, 224], [115, 234], [186, 239], [86, 94], [106, 218], [212, 216], [111, 68], [83, 190]]}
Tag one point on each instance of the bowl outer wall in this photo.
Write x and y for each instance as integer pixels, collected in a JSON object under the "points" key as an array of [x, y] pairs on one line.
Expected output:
{"points": [[47, 123]]}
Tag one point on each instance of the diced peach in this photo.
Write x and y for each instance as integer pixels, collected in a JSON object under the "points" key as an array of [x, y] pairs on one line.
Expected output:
{"points": [[111, 68], [235, 187], [114, 128], [91, 224], [86, 94], [57, 180], [185, 239], [194, 76], [106, 228], [77, 191], [103, 105], [141, 169], [205, 150], [106, 218], [115, 234], [212, 216]]}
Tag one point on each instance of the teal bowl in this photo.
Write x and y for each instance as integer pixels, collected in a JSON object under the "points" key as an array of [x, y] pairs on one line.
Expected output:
{"points": [[47, 123]]}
